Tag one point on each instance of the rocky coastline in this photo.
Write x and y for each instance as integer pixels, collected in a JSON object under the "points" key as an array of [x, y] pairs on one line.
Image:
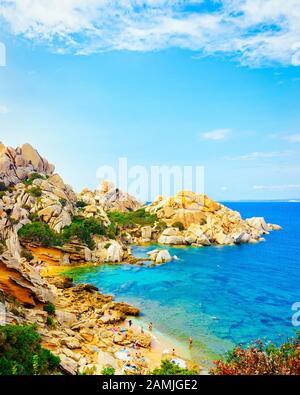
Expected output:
{"points": [[44, 224]]}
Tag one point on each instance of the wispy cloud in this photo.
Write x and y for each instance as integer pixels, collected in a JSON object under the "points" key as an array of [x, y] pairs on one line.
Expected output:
{"points": [[260, 155], [292, 138], [255, 32], [277, 187], [3, 109], [215, 135]]}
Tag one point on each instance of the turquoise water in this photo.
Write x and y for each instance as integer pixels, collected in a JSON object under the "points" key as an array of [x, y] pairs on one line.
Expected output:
{"points": [[220, 296]]}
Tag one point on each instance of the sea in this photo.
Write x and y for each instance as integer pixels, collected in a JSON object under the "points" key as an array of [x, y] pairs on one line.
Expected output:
{"points": [[221, 296]]}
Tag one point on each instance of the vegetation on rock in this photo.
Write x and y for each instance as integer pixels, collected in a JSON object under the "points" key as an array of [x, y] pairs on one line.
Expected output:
{"points": [[169, 368], [27, 255], [49, 308], [261, 359], [108, 371], [81, 204], [39, 232], [84, 229], [178, 225], [132, 218], [21, 352], [35, 192], [32, 177]]}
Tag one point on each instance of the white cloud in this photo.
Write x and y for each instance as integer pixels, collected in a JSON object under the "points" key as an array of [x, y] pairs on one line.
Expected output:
{"points": [[3, 109], [277, 187], [224, 188], [292, 138], [254, 31], [215, 135], [260, 155]]}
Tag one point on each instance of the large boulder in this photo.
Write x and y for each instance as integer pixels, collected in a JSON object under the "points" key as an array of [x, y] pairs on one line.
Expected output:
{"points": [[17, 164], [195, 234], [160, 256]]}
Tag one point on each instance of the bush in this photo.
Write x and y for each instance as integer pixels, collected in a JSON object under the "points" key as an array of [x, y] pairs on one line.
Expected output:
{"points": [[39, 232], [49, 321], [160, 226], [63, 202], [32, 177], [27, 255], [21, 352], [261, 359], [49, 308], [34, 217], [81, 204], [108, 371], [178, 225], [84, 229], [132, 218], [35, 192], [88, 371], [169, 368]]}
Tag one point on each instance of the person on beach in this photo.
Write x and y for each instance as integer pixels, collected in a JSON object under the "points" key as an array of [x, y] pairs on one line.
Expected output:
{"points": [[142, 330], [130, 323], [173, 352], [190, 341], [150, 326]]}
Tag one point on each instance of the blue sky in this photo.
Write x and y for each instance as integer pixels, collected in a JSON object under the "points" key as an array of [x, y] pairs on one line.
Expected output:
{"points": [[164, 93]]}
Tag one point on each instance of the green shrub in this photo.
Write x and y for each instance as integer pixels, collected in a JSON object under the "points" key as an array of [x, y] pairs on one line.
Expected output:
{"points": [[81, 204], [34, 217], [49, 308], [21, 352], [32, 177], [63, 202], [27, 255], [160, 226], [169, 368], [84, 229], [178, 225], [88, 371], [50, 322], [132, 218], [35, 192], [108, 371], [39, 232]]}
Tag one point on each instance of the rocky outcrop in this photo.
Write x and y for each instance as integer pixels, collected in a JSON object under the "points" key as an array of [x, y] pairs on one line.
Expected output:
{"points": [[109, 197], [21, 280], [16, 164], [76, 253], [197, 220], [171, 236], [160, 256]]}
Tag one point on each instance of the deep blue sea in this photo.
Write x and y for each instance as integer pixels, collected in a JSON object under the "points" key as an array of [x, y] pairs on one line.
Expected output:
{"points": [[221, 296]]}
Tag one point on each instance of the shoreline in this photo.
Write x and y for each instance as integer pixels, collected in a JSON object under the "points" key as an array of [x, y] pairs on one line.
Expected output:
{"points": [[160, 343]]}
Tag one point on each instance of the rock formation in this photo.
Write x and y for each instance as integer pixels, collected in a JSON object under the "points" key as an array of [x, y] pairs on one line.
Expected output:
{"points": [[197, 220], [17, 164], [108, 197]]}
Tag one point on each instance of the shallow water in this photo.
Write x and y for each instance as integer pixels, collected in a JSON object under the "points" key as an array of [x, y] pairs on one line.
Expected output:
{"points": [[220, 296]]}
